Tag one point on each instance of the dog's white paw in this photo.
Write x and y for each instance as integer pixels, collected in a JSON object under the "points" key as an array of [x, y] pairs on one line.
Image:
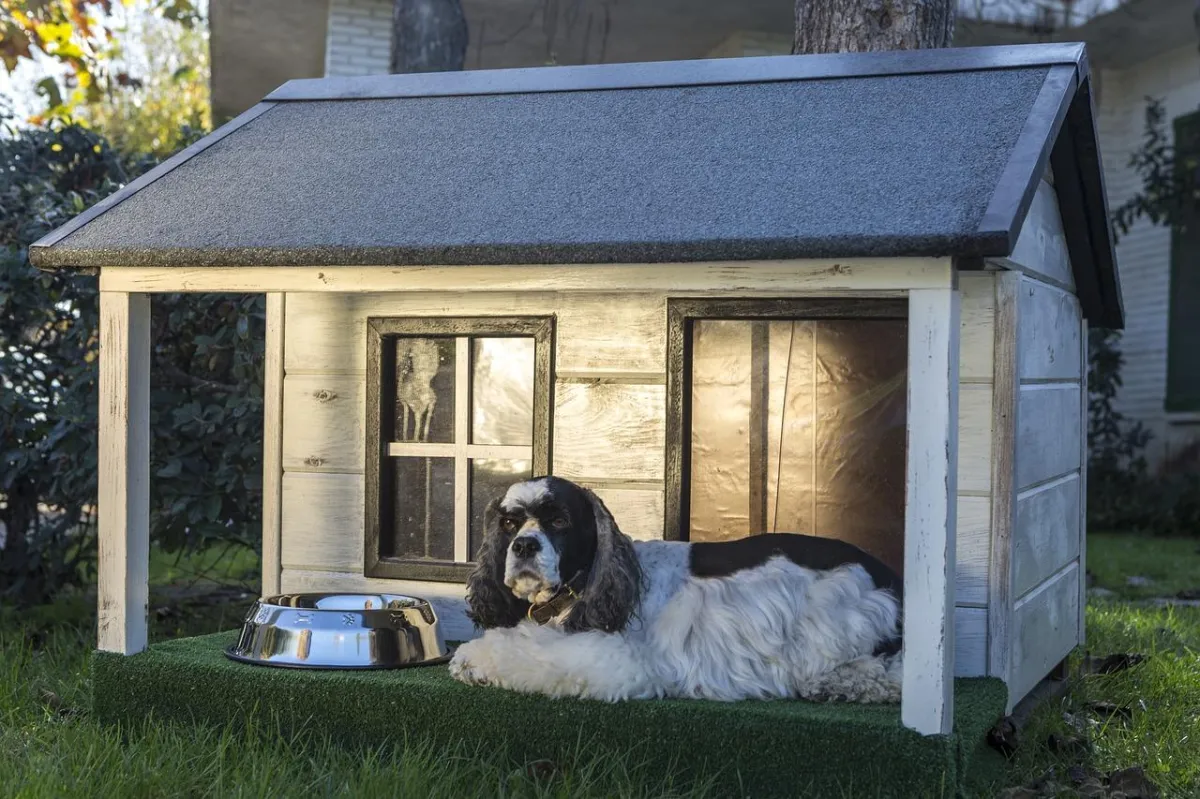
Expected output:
{"points": [[463, 669]]}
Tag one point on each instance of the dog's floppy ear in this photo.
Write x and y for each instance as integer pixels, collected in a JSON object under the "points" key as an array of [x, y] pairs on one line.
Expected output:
{"points": [[489, 602], [614, 585]]}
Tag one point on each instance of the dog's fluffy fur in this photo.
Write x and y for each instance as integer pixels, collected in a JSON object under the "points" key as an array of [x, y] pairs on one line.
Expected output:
{"points": [[767, 617]]}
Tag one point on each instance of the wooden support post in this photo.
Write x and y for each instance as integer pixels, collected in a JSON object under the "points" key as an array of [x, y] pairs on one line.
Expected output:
{"points": [[1006, 392], [272, 482], [927, 703], [123, 471]]}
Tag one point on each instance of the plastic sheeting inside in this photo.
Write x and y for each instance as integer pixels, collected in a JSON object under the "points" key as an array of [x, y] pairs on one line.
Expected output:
{"points": [[799, 426]]}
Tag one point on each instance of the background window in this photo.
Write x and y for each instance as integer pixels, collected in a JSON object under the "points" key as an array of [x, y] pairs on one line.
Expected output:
{"points": [[458, 409], [1183, 327]]}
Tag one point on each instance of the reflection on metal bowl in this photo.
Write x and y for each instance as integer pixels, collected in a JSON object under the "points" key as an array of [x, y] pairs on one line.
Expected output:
{"points": [[340, 631]]}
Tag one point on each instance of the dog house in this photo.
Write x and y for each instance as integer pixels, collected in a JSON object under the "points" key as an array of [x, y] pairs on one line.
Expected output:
{"points": [[845, 295]]}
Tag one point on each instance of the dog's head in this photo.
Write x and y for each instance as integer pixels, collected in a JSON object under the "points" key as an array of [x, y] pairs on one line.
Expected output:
{"points": [[544, 536]]}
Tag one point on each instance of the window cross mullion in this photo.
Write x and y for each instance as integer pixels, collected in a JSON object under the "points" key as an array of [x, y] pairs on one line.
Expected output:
{"points": [[462, 455]]}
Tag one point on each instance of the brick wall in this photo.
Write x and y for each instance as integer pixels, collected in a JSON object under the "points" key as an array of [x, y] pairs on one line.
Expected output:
{"points": [[359, 40]]}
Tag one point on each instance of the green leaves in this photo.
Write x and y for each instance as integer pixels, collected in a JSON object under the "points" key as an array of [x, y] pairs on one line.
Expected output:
{"points": [[206, 384]]}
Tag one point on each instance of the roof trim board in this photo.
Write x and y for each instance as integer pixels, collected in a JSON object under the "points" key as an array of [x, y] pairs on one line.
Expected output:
{"points": [[666, 74], [1079, 180], [1030, 155]]}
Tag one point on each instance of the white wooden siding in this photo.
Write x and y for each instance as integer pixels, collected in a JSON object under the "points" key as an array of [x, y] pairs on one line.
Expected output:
{"points": [[1038, 600], [970, 642], [1045, 629], [975, 449], [1047, 433], [1041, 249], [1049, 334], [609, 432], [1046, 535], [610, 361]]}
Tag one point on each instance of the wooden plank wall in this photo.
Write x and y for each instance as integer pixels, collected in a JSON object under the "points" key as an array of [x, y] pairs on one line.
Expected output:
{"points": [[610, 362], [609, 429], [1041, 595], [1048, 530]]}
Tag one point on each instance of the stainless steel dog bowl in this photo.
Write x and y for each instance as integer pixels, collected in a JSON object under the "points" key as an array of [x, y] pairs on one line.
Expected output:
{"points": [[340, 631]]}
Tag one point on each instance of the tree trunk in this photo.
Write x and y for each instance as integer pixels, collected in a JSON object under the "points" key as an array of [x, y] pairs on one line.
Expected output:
{"points": [[857, 26], [428, 36]]}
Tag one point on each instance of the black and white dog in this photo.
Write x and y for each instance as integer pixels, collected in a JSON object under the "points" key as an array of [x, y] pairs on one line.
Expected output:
{"points": [[570, 606]]}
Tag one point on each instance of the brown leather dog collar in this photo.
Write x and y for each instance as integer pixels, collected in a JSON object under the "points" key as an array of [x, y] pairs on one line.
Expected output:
{"points": [[563, 598]]}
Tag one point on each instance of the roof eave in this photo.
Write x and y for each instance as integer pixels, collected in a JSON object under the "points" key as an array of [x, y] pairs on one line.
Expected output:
{"points": [[48, 254]]}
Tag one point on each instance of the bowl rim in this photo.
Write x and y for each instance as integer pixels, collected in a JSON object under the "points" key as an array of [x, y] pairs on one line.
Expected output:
{"points": [[275, 664]]}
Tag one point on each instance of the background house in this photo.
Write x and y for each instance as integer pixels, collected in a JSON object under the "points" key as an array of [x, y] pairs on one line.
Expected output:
{"points": [[1143, 48]]}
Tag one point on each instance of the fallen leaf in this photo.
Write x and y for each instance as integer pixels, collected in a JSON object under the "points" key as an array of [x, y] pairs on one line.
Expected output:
{"points": [[1021, 792], [1081, 774], [50, 699], [1108, 710], [540, 770], [1004, 736], [1133, 783], [1111, 664], [53, 702], [1079, 723], [1069, 745]]}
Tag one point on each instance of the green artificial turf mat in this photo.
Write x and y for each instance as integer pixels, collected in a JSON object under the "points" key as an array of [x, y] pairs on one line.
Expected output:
{"points": [[781, 748]]}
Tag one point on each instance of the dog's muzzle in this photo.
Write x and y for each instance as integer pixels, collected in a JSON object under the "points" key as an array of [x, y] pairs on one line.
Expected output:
{"points": [[531, 567]]}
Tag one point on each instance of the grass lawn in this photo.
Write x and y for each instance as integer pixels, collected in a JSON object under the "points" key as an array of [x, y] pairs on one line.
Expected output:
{"points": [[1148, 715], [50, 747]]}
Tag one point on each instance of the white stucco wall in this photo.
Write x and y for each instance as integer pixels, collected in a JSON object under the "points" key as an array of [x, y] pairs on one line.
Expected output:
{"points": [[1144, 254]]}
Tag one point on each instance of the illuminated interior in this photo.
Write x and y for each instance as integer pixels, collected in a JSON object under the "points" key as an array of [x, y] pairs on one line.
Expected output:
{"points": [[799, 426]]}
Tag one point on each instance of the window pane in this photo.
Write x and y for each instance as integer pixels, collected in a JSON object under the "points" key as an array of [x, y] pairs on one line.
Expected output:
{"points": [[425, 389], [424, 510], [502, 391], [800, 427], [489, 480]]}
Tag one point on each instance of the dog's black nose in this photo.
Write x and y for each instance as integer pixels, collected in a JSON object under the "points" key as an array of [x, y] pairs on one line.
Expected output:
{"points": [[526, 546]]}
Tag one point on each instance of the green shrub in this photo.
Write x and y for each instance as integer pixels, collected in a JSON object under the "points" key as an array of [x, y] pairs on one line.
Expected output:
{"points": [[206, 382]]}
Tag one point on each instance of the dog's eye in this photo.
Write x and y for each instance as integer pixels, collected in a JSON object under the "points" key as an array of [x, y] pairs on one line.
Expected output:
{"points": [[559, 522], [508, 525]]}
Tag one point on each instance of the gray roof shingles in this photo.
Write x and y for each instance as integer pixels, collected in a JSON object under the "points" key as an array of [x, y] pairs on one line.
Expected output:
{"points": [[833, 167]]}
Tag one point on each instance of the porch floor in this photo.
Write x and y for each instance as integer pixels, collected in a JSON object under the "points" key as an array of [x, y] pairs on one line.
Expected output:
{"points": [[755, 749]]}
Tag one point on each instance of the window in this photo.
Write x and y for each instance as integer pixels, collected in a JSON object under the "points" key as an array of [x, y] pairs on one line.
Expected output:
{"points": [[457, 410], [788, 416], [1183, 326]]}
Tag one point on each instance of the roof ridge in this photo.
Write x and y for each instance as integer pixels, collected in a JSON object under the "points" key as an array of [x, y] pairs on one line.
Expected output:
{"points": [[671, 74]]}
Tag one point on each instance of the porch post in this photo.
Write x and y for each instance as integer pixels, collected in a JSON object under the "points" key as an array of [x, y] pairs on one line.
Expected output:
{"points": [[123, 471], [272, 511], [927, 703]]}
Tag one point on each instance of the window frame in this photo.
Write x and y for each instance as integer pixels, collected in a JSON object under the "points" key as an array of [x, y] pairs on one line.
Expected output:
{"points": [[380, 423], [682, 314], [1180, 392]]}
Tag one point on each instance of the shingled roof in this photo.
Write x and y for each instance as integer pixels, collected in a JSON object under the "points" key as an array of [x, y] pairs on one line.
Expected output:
{"points": [[918, 153]]}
